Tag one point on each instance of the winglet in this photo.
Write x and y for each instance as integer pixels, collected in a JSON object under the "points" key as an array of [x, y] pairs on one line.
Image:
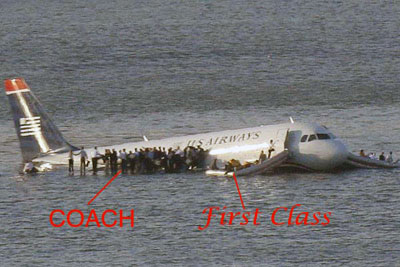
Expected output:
{"points": [[291, 120], [15, 85]]}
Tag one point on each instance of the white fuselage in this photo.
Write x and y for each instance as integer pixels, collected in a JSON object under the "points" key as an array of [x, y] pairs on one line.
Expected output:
{"points": [[322, 153]]}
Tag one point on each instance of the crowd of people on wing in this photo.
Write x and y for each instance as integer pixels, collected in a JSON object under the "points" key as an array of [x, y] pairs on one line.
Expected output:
{"points": [[372, 155], [143, 160]]}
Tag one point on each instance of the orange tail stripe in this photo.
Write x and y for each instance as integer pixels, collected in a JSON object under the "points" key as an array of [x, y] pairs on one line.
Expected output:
{"points": [[15, 84]]}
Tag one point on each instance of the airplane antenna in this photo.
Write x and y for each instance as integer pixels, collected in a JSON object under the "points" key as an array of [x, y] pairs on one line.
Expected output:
{"points": [[145, 138], [291, 120]]}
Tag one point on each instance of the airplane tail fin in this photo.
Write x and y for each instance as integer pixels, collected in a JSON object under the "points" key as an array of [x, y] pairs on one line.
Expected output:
{"points": [[36, 132]]}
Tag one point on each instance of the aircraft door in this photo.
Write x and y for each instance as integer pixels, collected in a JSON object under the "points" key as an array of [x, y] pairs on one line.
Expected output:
{"points": [[281, 141], [292, 141]]}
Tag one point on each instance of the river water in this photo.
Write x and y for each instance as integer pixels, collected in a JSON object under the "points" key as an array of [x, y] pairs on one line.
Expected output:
{"points": [[109, 72]]}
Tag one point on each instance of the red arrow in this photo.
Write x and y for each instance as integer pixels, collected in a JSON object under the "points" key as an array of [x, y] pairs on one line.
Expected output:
{"points": [[240, 195], [109, 182]]}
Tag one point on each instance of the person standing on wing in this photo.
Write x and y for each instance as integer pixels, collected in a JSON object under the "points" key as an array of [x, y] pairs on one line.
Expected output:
{"points": [[95, 157], [113, 161], [122, 156], [106, 159], [84, 157], [71, 162]]}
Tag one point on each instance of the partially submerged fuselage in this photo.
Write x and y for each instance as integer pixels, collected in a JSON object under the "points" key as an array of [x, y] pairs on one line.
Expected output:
{"points": [[311, 146]]}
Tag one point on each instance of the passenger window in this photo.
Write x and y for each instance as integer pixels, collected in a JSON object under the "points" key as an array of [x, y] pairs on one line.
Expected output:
{"points": [[304, 138], [312, 138], [323, 136]]}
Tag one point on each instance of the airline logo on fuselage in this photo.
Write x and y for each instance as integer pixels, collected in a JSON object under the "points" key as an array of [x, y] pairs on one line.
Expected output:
{"points": [[224, 139], [29, 126]]}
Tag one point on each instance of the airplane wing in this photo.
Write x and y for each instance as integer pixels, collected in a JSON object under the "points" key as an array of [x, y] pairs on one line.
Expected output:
{"points": [[53, 159], [265, 166]]}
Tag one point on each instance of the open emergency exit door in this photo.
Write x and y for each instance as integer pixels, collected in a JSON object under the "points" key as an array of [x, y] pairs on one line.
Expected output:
{"points": [[281, 140]]}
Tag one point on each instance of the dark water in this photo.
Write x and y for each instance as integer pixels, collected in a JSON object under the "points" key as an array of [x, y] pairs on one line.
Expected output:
{"points": [[110, 71]]}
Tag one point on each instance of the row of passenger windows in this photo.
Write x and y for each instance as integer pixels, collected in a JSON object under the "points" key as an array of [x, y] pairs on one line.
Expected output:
{"points": [[313, 137]]}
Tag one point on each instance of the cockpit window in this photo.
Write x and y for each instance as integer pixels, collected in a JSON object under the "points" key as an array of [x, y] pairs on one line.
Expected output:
{"points": [[323, 136], [304, 138], [312, 138]]}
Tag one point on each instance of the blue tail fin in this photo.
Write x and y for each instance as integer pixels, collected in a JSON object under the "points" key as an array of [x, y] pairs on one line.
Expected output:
{"points": [[36, 132]]}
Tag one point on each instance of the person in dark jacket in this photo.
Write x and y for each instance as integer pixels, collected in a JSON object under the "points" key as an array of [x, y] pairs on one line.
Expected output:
{"points": [[106, 160], [113, 161]]}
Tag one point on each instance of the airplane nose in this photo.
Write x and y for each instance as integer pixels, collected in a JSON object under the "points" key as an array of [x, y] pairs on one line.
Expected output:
{"points": [[338, 153], [322, 154]]}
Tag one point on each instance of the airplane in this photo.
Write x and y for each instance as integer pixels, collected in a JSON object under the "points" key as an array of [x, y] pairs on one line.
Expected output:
{"points": [[307, 146]]}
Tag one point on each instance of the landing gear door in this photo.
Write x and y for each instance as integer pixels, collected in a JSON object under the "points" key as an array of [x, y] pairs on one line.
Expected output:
{"points": [[281, 141]]}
